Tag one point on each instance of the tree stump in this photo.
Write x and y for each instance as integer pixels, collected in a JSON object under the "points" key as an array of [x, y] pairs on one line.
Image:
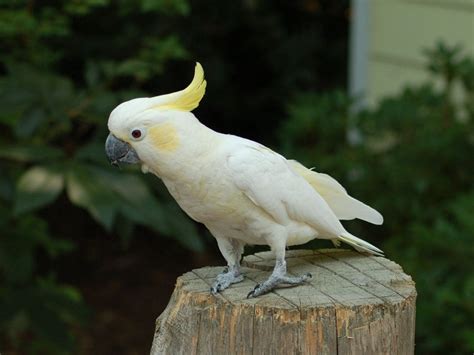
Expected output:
{"points": [[354, 304]]}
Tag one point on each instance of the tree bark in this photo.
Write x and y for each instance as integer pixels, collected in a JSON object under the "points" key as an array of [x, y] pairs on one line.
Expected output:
{"points": [[354, 304]]}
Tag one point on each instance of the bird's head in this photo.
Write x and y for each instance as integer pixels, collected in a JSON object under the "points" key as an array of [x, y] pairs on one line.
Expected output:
{"points": [[142, 127]]}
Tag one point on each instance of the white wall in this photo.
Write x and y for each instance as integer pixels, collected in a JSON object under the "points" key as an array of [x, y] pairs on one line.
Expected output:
{"points": [[397, 32]]}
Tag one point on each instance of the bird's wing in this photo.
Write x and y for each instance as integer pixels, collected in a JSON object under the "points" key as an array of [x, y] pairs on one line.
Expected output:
{"points": [[268, 181], [343, 205]]}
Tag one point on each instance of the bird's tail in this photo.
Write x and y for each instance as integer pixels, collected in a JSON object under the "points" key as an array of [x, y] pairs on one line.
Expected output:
{"points": [[359, 244]]}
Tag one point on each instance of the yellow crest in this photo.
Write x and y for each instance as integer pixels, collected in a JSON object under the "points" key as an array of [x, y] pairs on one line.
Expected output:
{"points": [[187, 99]]}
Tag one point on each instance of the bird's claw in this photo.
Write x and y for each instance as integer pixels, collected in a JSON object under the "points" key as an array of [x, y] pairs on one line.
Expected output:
{"points": [[273, 282], [216, 288], [224, 280], [254, 292]]}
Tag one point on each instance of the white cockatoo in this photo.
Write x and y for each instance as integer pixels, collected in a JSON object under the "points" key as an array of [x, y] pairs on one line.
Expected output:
{"points": [[242, 191]]}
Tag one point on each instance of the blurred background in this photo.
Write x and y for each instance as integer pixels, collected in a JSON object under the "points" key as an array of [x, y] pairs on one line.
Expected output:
{"points": [[379, 94]]}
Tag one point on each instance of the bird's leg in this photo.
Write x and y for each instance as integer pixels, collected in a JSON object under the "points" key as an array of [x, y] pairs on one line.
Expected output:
{"points": [[278, 277], [232, 251]]}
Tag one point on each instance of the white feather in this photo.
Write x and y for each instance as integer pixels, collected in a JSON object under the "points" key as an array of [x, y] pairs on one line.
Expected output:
{"points": [[359, 244], [267, 180], [344, 206]]}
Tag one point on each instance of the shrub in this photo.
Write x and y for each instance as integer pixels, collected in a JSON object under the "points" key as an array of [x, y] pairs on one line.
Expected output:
{"points": [[411, 158]]}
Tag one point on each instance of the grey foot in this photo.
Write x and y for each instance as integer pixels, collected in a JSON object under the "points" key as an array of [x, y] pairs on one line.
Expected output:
{"points": [[273, 281], [225, 279]]}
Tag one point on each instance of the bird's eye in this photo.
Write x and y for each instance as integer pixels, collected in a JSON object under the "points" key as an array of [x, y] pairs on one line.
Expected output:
{"points": [[136, 133]]}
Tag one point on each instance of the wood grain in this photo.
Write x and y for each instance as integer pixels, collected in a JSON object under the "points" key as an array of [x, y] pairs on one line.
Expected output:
{"points": [[355, 304]]}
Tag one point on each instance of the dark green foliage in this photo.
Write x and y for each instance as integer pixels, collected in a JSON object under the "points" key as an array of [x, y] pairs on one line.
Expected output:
{"points": [[412, 159], [317, 128], [31, 304], [58, 83]]}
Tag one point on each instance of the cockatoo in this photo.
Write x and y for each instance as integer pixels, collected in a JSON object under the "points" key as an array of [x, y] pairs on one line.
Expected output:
{"points": [[242, 191]]}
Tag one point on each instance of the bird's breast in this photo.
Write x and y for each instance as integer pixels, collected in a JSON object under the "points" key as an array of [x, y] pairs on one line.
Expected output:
{"points": [[206, 200]]}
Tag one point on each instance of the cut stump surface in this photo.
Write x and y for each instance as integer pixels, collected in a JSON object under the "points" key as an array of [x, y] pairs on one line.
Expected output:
{"points": [[354, 304]]}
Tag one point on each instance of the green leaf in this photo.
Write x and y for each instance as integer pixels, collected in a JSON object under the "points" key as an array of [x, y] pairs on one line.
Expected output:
{"points": [[54, 246], [37, 187], [92, 74], [170, 7], [182, 228], [139, 203], [19, 240], [17, 259], [7, 186], [124, 227], [29, 122], [83, 7], [93, 152], [30, 153], [86, 191]]}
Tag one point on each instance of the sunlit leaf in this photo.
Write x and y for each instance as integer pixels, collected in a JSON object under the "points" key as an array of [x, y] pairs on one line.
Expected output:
{"points": [[85, 191], [139, 203], [141, 206], [37, 187]]}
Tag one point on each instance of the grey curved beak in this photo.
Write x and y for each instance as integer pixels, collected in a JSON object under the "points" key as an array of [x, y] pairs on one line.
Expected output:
{"points": [[119, 151]]}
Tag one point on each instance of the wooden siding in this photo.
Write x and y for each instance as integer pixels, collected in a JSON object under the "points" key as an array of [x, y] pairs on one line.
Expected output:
{"points": [[401, 29]]}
